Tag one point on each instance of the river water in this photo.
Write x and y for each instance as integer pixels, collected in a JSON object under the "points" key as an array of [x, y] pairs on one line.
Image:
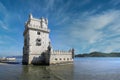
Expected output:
{"points": [[81, 69]]}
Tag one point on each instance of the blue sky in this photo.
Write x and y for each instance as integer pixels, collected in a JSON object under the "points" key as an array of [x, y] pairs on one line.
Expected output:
{"points": [[86, 25]]}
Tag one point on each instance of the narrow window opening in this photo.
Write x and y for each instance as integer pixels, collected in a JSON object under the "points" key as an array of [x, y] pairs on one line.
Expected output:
{"points": [[38, 33], [67, 58], [56, 59], [38, 42], [60, 59]]}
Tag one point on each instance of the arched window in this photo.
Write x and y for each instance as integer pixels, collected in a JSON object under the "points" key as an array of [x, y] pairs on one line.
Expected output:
{"points": [[60, 59], [67, 58]]}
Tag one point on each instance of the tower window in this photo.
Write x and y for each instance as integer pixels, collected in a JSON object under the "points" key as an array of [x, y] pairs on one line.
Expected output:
{"points": [[67, 58], [38, 42], [38, 33], [60, 59], [55, 58]]}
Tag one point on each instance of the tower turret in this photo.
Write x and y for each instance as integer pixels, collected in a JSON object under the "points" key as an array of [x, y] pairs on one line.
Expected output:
{"points": [[46, 21], [30, 16]]}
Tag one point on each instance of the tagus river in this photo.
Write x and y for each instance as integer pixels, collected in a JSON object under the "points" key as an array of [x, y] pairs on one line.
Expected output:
{"points": [[82, 69]]}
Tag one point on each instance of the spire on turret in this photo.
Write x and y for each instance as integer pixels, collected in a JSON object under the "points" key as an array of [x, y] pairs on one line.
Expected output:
{"points": [[30, 16], [42, 19], [46, 21]]}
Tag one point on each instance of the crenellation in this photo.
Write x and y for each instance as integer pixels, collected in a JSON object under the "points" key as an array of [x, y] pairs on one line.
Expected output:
{"points": [[61, 52]]}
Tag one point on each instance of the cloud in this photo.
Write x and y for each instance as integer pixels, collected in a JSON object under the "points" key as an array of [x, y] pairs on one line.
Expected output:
{"points": [[3, 25], [90, 27], [8, 18], [4, 15], [92, 32], [110, 45], [49, 4]]}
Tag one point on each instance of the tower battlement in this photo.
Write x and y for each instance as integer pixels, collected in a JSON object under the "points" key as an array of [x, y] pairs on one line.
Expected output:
{"points": [[39, 22], [36, 24]]}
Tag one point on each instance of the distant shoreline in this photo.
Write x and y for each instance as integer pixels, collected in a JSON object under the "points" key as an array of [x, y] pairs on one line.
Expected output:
{"points": [[99, 54]]}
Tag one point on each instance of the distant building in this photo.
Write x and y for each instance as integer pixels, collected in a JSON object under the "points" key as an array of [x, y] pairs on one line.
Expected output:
{"points": [[37, 46]]}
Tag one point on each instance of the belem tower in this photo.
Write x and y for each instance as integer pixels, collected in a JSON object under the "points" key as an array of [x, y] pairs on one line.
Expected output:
{"points": [[37, 46]]}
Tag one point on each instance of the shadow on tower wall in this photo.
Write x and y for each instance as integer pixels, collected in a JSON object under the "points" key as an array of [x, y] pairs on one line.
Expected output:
{"points": [[43, 59]]}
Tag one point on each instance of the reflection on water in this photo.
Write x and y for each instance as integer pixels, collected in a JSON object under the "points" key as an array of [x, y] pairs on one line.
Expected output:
{"points": [[30, 72], [56, 72], [82, 69]]}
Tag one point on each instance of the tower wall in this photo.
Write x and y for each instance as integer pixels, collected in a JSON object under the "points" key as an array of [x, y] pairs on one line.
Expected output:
{"points": [[36, 40], [36, 51], [44, 40]]}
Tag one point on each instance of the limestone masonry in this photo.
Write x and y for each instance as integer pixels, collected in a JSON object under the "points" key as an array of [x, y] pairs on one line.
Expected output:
{"points": [[37, 46]]}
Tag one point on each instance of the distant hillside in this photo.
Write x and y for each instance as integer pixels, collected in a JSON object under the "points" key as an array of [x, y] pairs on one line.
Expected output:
{"points": [[99, 54]]}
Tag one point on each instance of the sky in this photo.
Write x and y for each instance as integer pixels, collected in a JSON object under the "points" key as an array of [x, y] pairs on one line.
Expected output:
{"points": [[85, 25]]}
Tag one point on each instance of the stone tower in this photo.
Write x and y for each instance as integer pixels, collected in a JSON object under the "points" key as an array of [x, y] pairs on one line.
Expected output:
{"points": [[36, 40]]}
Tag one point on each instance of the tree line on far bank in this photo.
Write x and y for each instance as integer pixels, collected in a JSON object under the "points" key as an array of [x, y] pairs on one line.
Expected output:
{"points": [[99, 54]]}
